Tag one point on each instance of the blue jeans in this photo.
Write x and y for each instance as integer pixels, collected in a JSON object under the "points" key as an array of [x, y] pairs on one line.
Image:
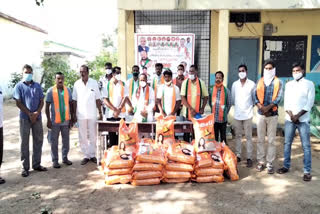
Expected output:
{"points": [[304, 132]]}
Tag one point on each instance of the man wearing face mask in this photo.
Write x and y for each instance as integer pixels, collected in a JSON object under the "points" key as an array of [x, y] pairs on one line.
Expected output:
{"points": [[143, 101], [221, 104], [133, 83], [180, 78], [268, 94], [86, 100], [168, 96], [115, 98], [194, 96], [243, 101], [157, 80], [298, 101], [103, 85], [29, 99]]}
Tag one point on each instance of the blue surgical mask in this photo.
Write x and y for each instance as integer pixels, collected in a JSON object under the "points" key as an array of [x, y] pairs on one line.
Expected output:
{"points": [[27, 77]]}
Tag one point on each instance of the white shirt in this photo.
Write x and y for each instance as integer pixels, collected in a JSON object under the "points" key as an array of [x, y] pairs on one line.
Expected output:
{"points": [[138, 104], [1, 107], [116, 98], [243, 99], [299, 95], [167, 91], [86, 96]]}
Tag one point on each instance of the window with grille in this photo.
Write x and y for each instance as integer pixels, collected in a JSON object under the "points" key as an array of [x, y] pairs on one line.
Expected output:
{"points": [[197, 22]]}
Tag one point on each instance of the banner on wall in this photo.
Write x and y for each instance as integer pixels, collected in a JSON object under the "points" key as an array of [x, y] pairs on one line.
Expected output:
{"points": [[168, 49], [315, 54]]}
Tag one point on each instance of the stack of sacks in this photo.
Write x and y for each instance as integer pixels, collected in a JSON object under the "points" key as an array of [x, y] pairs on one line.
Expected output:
{"points": [[149, 163], [180, 163], [117, 166], [165, 130], [209, 164], [230, 160], [209, 167], [120, 159]]}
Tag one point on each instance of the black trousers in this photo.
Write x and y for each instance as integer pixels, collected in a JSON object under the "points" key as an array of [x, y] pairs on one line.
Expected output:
{"points": [[113, 136], [1, 145], [220, 131]]}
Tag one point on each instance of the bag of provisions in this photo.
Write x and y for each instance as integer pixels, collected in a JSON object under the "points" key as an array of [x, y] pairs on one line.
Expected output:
{"points": [[114, 179], [117, 160], [230, 160], [150, 152], [146, 182], [209, 159], [204, 134], [165, 130], [181, 152], [128, 137]]}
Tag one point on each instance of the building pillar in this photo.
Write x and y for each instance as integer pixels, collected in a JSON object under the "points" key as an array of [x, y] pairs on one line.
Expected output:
{"points": [[223, 44]]}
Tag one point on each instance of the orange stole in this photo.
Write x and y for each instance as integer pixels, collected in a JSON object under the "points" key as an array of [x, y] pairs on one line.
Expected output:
{"points": [[261, 89]]}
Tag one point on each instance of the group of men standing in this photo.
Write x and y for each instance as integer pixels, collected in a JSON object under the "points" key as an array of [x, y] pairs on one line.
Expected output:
{"points": [[266, 95], [186, 96]]}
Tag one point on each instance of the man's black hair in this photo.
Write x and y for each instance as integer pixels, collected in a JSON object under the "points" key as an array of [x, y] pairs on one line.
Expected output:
{"points": [[108, 64], [159, 65], [298, 64], [194, 66], [219, 72], [85, 66], [269, 62], [135, 66], [28, 67], [243, 66], [167, 72], [114, 69]]}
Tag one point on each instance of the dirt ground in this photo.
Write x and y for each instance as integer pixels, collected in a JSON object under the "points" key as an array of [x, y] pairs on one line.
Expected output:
{"points": [[81, 189]]}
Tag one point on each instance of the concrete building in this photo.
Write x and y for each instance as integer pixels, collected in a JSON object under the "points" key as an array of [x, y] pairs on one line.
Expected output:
{"points": [[20, 43], [229, 33], [75, 56]]}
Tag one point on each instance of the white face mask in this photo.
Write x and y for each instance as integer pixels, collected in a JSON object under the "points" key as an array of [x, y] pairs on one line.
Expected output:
{"points": [[118, 77], [108, 71], [242, 75], [192, 76], [168, 83], [143, 84], [268, 76], [297, 76]]}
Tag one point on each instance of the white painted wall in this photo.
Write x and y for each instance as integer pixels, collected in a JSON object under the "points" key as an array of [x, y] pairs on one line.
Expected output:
{"points": [[19, 45]]}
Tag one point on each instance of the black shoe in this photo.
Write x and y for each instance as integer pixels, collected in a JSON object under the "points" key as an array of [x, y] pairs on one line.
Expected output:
{"points": [[94, 159], [282, 170], [41, 169], [270, 169], [56, 165], [238, 159], [84, 161], [307, 177], [25, 173], [260, 167], [2, 181], [249, 163], [67, 162]]}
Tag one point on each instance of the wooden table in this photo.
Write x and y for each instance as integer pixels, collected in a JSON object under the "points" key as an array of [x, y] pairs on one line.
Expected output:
{"points": [[104, 127]]}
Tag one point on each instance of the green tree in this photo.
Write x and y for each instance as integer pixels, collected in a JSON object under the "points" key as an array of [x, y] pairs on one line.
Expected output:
{"points": [[15, 78], [108, 54], [53, 64]]}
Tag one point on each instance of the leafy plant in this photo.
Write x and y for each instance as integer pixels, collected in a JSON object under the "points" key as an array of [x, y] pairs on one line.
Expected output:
{"points": [[53, 64], [15, 78]]}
